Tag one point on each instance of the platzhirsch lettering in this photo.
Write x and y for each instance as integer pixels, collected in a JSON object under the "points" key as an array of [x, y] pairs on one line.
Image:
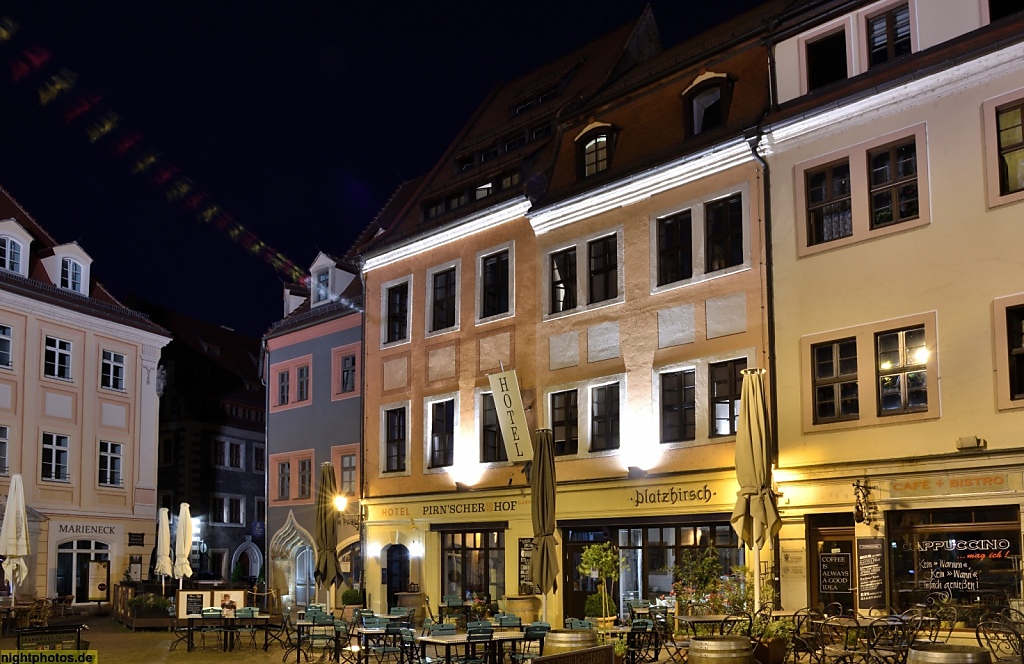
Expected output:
{"points": [[671, 496], [87, 530]]}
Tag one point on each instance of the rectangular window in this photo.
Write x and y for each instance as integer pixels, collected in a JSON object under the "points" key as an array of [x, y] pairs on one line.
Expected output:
{"points": [[284, 480], [472, 563], [1015, 346], [112, 371], [826, 60], [565, 422], [259, 459], [492, 445], [110, 464], [261, 510], [348, 373], [229, 454], [1010, 133], [595, 155], [54, 458], [678, 406], [323, 286], [726, 383], [70, 275], [829, 215], [893, 172], [724, 232], [835, 381], [57, 359], [603, 269], [283, 389], [302, 383], [348, 474], [563, 280], [443, 300], [4, 433], [675, 248], [495, 285], [442, 433], [889, 35], [902, 374], [604, 425], [6, 346], [395, 440], [228, 509], [305, 478], [398, 312]]}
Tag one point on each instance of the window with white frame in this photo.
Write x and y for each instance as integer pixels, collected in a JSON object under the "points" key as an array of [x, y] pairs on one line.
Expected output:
{"points": [[283, 387], [322, 290], [1010, 124], [228, 509], [54, 458], [112, 371], [259, 458], [71, 275], [305, 478], [678, 406], [302, 383], [10, 254], [4, 434], [110, 464], [6, 346], [492, 444], [902, 370], [443, 302], [826, 60], [563, 280], [603, 269], [494, 290], [565, 422], [57, 358], [888, 35], [284, 480], [723, 233], [604, 418], [725, 381], [441, 429], [397, 313], [261, 510], [395, 442], [348, 474], [229, 454]]}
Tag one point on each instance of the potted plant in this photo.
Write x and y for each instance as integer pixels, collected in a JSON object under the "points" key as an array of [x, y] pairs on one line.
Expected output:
{"points": [[148, 605], [619, 649], [601, 609], [604, 562]]}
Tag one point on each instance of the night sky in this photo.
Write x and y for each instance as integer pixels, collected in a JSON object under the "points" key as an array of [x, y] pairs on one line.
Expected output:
{"points": [[298, 119]]}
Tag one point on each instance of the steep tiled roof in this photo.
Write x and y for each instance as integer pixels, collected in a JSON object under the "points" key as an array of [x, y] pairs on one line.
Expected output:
{"points": [[99, 303]]}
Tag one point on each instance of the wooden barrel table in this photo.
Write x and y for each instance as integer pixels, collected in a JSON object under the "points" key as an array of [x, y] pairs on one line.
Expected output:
{"points": [[720, 650], [947, 653], [558, 641]]}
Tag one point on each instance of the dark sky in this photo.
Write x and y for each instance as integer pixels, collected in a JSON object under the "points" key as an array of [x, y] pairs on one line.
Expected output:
{"points": [[299, 119]]}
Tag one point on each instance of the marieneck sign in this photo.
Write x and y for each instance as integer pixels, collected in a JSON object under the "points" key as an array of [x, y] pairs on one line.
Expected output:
{"points": [[508, 404]]}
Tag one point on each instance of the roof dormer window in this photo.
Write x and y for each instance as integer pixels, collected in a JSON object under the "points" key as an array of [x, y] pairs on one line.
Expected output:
{"points": [[594, 148], [10, 254], [322, 291], [71, 275]]}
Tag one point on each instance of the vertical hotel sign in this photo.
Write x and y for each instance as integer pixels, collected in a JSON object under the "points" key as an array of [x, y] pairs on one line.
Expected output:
{"points": [[511, 416]]}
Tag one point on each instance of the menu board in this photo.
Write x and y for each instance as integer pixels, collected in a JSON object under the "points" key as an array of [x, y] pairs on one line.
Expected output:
{"points": [[871, 572], [834, 575], [191, 602], [526, 586]]}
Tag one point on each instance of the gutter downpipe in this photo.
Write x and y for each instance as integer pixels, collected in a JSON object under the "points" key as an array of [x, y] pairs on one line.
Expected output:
{"points": [[754, 140]]}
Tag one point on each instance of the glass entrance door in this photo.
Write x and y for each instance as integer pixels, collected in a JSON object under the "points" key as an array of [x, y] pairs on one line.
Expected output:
{"points": [[577, 586], [833, 573]]}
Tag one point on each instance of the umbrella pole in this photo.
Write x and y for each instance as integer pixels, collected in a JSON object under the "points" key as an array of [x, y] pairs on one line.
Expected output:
{"points": [[757, 578], [544, 607]]}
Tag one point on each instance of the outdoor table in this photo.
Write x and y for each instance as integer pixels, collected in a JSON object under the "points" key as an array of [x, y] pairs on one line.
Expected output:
{"points": [[393, 617], [462, 609], [303, 626], [449, 640], [230, 626], [715, 620], [366, 634]]}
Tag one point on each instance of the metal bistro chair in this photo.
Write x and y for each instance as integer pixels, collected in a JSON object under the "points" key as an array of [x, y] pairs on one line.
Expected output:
{"points": [[806, 629], [840, 641], [532, 644], [243, 629], [179, 630], [214, 631], [640, 642], [887, 641], [1001, 639], [481, 638], [321, 635], [389, 645]]}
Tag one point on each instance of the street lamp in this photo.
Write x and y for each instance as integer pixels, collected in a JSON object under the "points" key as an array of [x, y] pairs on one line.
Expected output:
{"points": [[341, 504]]}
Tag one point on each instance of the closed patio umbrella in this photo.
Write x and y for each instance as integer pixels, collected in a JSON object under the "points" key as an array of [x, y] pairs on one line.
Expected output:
{"points": [[756, 516], [544, 561], [326, 538], [14, 542], [163, 565], [183, 544]]}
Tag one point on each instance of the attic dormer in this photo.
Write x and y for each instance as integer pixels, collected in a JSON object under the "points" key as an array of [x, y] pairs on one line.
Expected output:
{"points": [[327, 280], [15, 245], [68, 268]]}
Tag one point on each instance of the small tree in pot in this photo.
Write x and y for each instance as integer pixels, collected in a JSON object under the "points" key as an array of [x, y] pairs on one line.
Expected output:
{"points": [[604, 560]]}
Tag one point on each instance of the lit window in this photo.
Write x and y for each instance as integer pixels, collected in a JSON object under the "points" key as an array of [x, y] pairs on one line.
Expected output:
{"points": [[889, 35], [726, 382], [6, 346], [563, 280], [57, 358], [492, 445], [902, 373], [509, 180], [675, 248], [483, 191], [724, 233], [456, 201], [829, 215], [10, 254], [678, 406], [595, 155], [604, 429], [565, 422], [836, 395], [434, 209], [442, 433], [71, 275], [1011, 148], [110, 464], [112, 370], [54, 458], [302, 383], [322, 291]]}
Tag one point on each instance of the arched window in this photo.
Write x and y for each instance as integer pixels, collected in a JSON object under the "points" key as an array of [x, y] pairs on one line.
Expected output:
{"points": [[594, 150], [10, 254], [71, 275], [73, 566]]}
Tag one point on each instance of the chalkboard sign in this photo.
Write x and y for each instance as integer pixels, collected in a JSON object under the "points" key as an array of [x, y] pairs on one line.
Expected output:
{"points": [[835, 573], [136, 539], [871, 572], [191, 602], [526, 586]]}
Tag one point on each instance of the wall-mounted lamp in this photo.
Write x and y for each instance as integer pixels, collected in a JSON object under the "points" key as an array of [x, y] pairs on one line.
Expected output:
{"points": [[462, 488], [864, 511], [341, 504], [636, 473], [968, 443]]}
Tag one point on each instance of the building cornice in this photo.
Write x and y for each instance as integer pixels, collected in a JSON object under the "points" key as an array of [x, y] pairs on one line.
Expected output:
{"points": [[635, 188], [460, 229]]}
